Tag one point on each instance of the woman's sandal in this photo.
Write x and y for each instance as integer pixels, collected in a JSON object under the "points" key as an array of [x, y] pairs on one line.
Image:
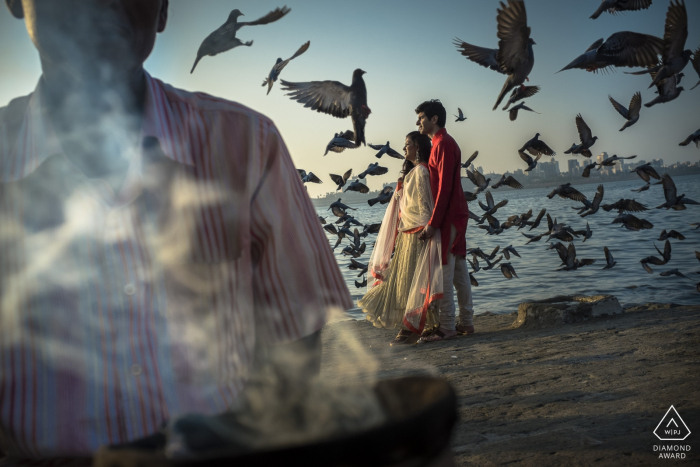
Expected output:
{"points": [[437, 336], [403, 336]]}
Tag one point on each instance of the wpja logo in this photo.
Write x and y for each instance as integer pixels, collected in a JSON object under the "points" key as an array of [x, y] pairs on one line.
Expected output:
{"points": [[672, 428]]}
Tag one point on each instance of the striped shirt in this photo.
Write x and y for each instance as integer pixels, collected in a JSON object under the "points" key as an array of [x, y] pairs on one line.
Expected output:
{"points": [[120, 311]]}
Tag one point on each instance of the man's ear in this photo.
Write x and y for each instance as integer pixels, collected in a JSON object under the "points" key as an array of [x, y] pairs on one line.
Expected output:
{"points": [[434, 119], [15, 7], [162, 16]]}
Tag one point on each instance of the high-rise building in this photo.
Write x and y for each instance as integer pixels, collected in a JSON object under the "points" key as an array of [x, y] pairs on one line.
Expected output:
{"points": [[573, 164]]}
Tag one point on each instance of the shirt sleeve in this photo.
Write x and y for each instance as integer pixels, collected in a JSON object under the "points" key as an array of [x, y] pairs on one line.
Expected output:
{"points": [[296, 279], [445, 164]]}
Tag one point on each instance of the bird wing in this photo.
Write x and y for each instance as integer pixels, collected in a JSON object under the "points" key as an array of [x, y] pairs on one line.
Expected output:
{"points": [[596, 45], [513, 183], [570, 255], [337, 179], [634, 5], [667, 250], [338, 212], [460, 112], [513, 113], [621, 109], [302, 173], [271, 17], [479, 178], [631, 49], [540, 147], [598, 197], [471, 159], [584, 131], [608, 256], [489, 200], [331, 97], [513, 35], [695, 61], [387, 190], [635, 105], [311, 177], [526, 157], [634, 206], [573, 193], [376, 147], [481, 55], [675, 31], [379, 170], [348, 134], [346, 175], [279, 66], [529, 91], [669, 188]]}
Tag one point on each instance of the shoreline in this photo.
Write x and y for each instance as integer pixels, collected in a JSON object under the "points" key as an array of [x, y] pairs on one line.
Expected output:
{"points": [[588, 393]]}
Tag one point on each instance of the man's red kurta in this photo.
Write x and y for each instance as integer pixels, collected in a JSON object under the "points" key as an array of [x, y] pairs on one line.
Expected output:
{"points": [[445, 183]]}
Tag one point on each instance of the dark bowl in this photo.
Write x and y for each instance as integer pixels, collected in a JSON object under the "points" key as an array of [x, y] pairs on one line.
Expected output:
{"points": [[421, 413]]}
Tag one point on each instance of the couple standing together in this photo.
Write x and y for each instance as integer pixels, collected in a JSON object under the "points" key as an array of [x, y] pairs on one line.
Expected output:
{"points": [[421, 248]]}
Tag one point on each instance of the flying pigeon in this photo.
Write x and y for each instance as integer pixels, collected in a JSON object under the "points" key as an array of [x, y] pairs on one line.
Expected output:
{"points": [[585, 136], [385, 149], [341, 141], [469, 196], [474, 282], [625, 205], [224, 38], [643, 188], [567, 191], [490, 207], [624, 48], [668, 90], [613, 6], [631, 222], [383, 197], [673, 57], [537, 147], [673, 200], [595, 204], [514, 56], [470, 160], [338, 204], [308, 177], [460, 117], [631, 114], [610, 161], [370, 229], [509, 180], [532, 238], [513, 112], [373, 169], [478, 179], [521, 92], [336, 99], [322, 220], [358, 186], [572, 263], [695, 61], [359, 285], [538, 219], [670, 234], [508, 270], [587, 169], [279, 66], [507, 251], [645, 171], [341, 180], [531, 163], [586, 234], [673, 272], [695, 138], [609, 260]]}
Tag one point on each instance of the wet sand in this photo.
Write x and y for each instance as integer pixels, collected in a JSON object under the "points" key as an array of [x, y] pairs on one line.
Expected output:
{"points": [[574, 394]]}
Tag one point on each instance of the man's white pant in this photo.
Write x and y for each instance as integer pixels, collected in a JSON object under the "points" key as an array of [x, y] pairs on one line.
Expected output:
{"points": [[455, 273]]}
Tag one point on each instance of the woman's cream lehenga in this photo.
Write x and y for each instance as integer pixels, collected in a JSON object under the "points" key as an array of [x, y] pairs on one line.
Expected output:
{"points": [[407, 285]]}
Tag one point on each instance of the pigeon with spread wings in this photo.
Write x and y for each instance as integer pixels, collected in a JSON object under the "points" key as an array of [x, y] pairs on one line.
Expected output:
{"points": [[537, 147], [385, 149], [514, 56], [340, 180], [279, 66], [585, 136], [694, 138], [625, 48], [630, 114], [336, 99], [460, 117], [341, 142], [614, 6], [224, 38], [521, 92]]}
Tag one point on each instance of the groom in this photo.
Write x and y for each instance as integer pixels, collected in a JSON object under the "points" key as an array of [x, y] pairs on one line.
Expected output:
{"points": [[450, 215]]}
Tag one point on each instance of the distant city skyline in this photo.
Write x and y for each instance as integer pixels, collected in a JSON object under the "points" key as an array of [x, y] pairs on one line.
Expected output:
{"points": [[406, 49]]}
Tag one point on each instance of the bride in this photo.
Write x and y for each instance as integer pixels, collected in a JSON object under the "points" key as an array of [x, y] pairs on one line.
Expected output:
{"points": [[407, 271]]}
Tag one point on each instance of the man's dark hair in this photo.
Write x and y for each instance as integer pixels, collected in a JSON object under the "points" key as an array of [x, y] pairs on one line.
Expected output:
{"points": [[431, 108]]}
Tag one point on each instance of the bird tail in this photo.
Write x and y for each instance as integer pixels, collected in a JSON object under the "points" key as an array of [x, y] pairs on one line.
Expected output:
{"points": [[269, 86], [507, 86], [199, 57], [372, 202], [577, 62], [359, 127]]}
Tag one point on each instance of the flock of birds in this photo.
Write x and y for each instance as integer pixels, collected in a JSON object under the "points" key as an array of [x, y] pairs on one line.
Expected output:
{"points": [[514, 58]]}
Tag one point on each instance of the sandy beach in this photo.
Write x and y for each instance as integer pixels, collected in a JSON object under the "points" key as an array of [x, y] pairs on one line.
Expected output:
{"points": [[588, 393]]}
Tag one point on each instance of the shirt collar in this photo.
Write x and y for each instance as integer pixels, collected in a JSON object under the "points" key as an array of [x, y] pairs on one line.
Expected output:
{"points": [[36, 140], [439, 135]]}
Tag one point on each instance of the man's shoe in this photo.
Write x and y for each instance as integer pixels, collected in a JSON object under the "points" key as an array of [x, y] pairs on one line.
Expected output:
{"points": [[464, 330]]}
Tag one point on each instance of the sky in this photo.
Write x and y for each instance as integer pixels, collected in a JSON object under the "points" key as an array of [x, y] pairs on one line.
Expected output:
{"points": [[406, 49]]}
